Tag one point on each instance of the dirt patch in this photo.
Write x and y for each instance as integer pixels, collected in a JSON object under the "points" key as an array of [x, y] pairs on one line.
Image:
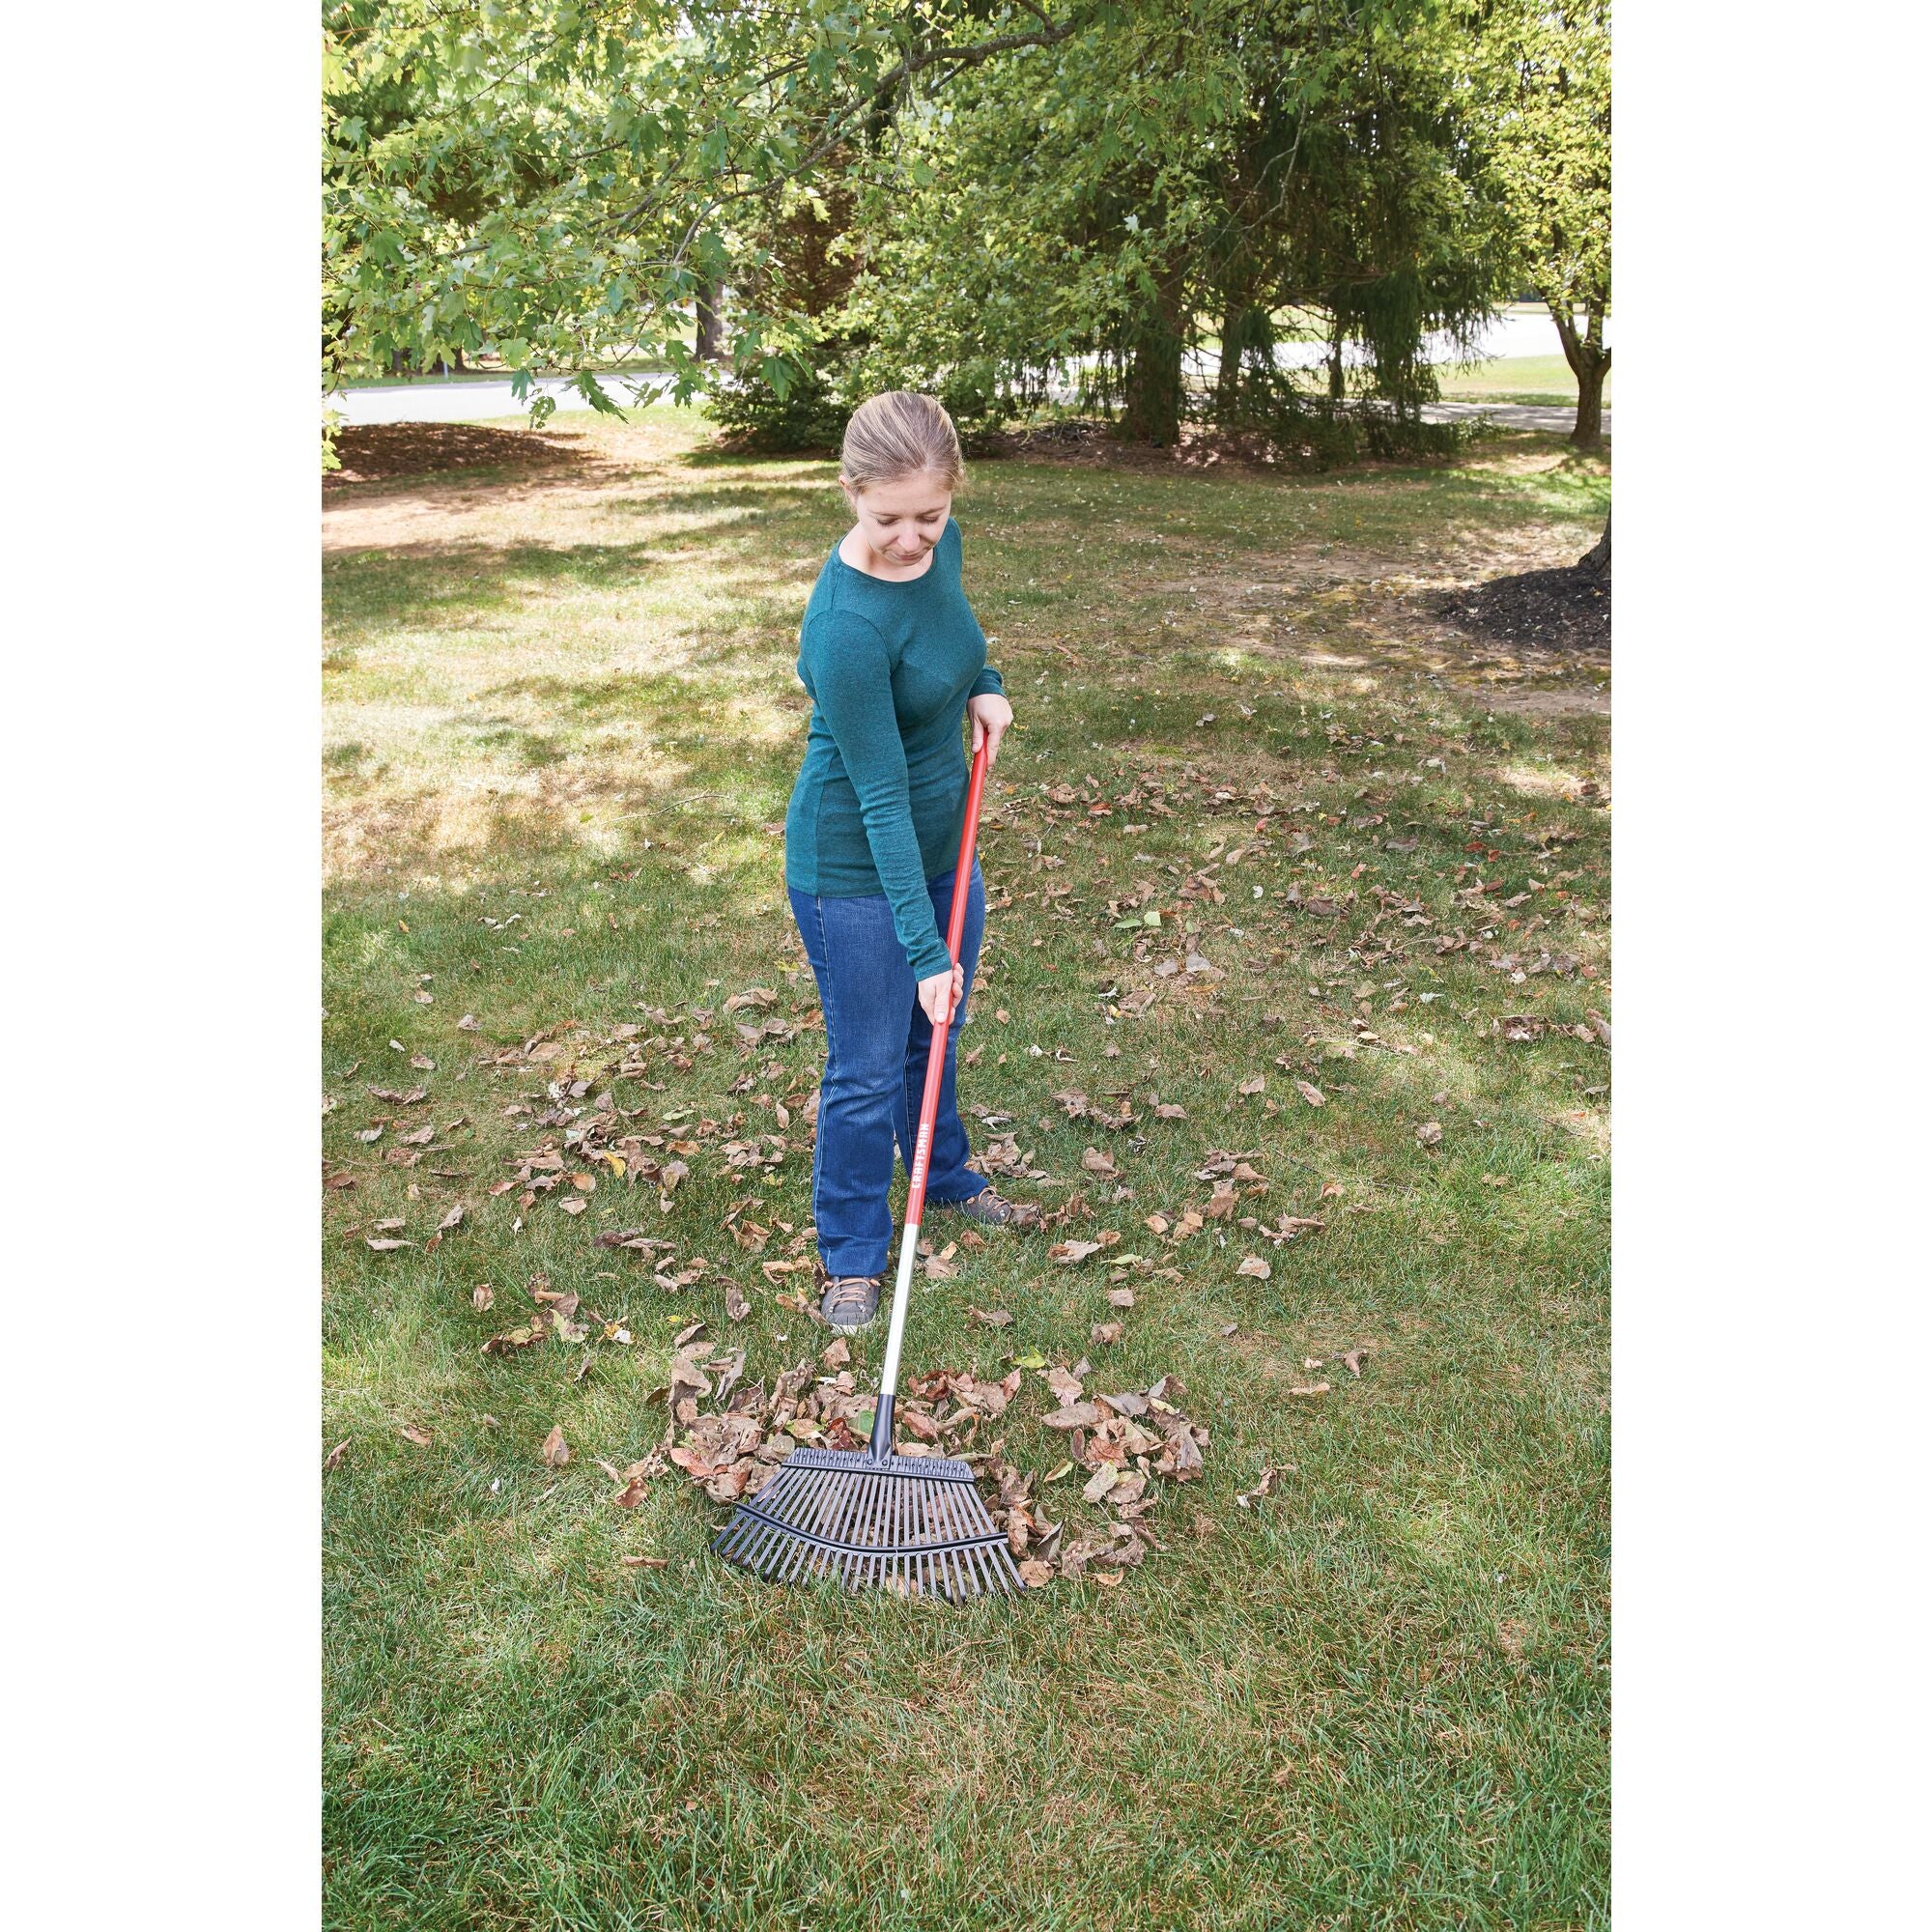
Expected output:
{"points": [[377, 452], [1565, 702], [1567, 609]]}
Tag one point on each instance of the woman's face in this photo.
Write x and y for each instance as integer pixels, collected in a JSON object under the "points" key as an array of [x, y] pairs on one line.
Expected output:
{"points": [[902, 518]]}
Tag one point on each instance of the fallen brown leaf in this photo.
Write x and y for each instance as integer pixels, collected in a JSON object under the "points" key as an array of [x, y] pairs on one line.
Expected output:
{"points": [[1251, 1497], [1075, 1415], [1061, 1251]]}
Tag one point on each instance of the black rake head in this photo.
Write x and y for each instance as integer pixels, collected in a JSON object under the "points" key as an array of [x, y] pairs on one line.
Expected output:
{"points": [[914, 1524]]}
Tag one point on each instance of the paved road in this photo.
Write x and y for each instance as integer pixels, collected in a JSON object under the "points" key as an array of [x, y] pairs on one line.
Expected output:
{"points": [[470, 399], [1559, 416], [467, 399]]}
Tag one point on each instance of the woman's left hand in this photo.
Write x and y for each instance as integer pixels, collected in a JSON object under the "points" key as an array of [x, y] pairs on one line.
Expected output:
{"points": [[990, 714]]}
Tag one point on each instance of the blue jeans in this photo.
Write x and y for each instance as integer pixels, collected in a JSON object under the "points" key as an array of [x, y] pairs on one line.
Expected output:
{"points": [[877, 1038]]}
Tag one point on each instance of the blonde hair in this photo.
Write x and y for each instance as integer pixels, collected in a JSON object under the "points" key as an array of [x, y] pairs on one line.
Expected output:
{"points": [[901, 433]]}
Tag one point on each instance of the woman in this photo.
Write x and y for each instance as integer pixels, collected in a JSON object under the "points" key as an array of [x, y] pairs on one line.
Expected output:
{"points": [[892, 656]]}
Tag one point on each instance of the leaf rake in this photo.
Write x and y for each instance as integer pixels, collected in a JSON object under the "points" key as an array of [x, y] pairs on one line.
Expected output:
{"points": [[916, 1525]]}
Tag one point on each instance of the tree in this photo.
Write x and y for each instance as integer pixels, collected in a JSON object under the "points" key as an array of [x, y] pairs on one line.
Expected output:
{"points": [[559, 178], [1175, 158], [1542, 74]]}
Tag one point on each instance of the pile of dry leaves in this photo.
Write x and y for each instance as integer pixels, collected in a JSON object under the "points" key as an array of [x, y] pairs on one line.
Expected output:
{"points": [[1128, 1442]]}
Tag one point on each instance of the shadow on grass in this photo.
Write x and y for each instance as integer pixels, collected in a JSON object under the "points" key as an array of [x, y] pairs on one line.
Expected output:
{"points": [[456, 583]]}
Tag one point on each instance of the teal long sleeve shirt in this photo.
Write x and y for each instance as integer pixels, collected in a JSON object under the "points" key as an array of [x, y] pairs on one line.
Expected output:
{"points": [[877, 802]]}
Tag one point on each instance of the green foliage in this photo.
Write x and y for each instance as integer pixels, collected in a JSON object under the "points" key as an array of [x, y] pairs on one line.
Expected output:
{"points": [[1314, 432], [1547, 69], [787, 412], [1185, 157], [1539, 76], [784, 411], [982, 201], [559, 179]]}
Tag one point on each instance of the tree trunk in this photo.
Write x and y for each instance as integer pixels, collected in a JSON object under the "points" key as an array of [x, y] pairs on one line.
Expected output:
{"points": [[1589, 360], [1598, 556], [1228, 378], [1589, 431], [710, 325], [1152, 412], [1337, 386]]}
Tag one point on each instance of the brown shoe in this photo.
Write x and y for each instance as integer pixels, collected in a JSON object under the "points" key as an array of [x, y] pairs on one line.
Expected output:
{"points": [[850, 1302]]}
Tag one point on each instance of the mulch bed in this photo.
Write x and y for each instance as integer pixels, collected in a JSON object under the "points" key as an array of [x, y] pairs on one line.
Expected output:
{"points": [[375, 452], [1084, 440], [1567, 609]]}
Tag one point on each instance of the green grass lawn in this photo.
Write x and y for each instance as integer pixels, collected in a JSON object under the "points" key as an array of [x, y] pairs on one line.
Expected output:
{"points": [[1517, 379], [562, 721]]}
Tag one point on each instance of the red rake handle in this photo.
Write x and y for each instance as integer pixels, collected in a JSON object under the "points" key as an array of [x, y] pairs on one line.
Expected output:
{"points": [[955, 929], [881, 1447]]}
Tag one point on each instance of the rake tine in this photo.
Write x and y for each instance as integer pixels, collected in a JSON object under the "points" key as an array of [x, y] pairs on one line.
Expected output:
{"points": [[790, 1559], [945, 1521], [765, 1544], [828, 1505], [861, 1520], [751, 1543], [825, 1500], [785, 1548], [795, 1506], [747, 1534], [846, 1506], [838, 1512]]}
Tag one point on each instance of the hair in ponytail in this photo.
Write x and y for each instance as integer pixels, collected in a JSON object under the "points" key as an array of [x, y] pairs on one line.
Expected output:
{"points": [[901, 433]]}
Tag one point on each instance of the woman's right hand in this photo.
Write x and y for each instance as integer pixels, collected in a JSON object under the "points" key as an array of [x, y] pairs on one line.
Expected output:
{"points": [[941, 994]]}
